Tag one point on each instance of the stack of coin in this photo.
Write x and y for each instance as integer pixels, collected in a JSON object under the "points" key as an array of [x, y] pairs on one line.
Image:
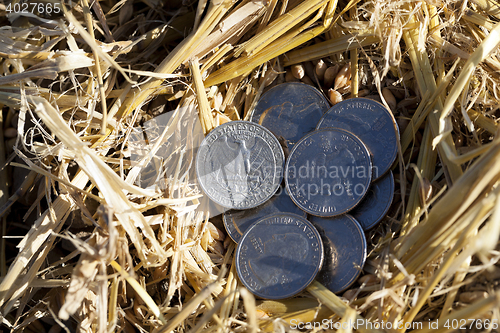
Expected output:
{"points": [[335, 154], [376, 127]]}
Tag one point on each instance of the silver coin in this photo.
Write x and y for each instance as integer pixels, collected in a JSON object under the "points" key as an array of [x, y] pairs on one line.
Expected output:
{"points": [[372, 123], [328, 172], [239, 165], [372, 209], [290, 110], [345, 251], [238, 221], [279, 256]]}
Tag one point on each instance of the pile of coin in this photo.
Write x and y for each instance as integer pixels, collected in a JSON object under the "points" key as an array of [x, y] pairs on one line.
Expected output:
{"points": [[337, 162]]}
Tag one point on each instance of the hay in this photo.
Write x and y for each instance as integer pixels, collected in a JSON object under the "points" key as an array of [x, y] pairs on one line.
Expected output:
{"points": [[104, 104]]}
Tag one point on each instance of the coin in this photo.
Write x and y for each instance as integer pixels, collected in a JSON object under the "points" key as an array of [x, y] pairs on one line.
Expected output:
{"points": [[375, 205], [238, 221], [279, 256], [372, 123], [345, 251], [239, 165], [328, 172], [290, 110]]}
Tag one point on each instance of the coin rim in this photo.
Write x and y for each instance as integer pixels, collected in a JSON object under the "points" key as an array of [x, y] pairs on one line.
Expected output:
{"points": [[390, 175], [309, 281], [364, 249], [327, 129], [378, 104], [225, 219], [204, 143]]}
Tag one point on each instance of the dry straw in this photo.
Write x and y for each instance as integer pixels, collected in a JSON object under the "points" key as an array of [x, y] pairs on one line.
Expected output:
{"points": [[104, 105]]}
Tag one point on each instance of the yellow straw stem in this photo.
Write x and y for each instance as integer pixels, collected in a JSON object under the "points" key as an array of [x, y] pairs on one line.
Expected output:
{"points": [[334, 303], [206, 119], [279, 26], [140, 291], [484, 49]]}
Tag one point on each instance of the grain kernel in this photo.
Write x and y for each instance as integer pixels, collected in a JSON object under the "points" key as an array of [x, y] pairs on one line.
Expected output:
{"points": [[298, 71], [330, 74], [321, 69], [334, 96], [343, 76], [349, 294], [369, 279]]}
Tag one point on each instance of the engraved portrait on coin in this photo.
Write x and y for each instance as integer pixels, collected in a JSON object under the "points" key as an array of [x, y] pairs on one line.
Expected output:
{"points": [[239, 165], [279, 256], [290, 110], [372, 123], [328, 172]]}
